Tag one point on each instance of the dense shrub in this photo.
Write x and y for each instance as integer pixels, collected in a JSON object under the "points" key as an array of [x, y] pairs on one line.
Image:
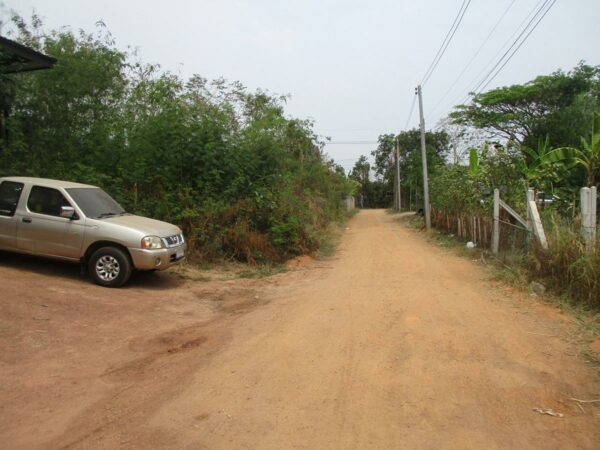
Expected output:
{"points": [[241, 178]]}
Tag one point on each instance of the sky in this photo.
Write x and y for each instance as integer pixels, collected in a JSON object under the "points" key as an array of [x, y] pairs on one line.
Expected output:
{"points": [[351, 66]]}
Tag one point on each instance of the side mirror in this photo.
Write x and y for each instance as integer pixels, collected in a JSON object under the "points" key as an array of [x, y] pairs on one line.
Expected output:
{"points": [[68, 212]]}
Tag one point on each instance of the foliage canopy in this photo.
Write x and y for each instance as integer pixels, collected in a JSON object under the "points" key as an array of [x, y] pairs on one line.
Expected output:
{"points": [[241, 178], [559, 105]]}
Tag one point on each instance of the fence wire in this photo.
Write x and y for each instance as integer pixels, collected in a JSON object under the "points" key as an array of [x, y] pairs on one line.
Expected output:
{"points": [[514, 238], [478, 229]]}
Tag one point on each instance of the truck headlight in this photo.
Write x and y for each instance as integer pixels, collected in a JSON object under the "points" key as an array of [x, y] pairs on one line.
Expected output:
{"points": [[152, 243]]}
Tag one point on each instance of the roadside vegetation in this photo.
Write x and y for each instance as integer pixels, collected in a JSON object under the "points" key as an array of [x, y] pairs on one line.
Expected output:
{"points": [[241, 178], [512, 270], [542, 135]]}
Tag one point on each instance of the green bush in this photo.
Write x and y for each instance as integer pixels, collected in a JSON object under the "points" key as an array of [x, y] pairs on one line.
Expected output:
{"points": [[241, 178]]}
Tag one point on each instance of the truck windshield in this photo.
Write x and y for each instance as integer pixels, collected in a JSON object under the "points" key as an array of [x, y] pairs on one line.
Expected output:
{"points": [[95, 203]]}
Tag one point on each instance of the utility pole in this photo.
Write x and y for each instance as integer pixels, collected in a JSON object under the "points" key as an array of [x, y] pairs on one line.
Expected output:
{"points": [[395, 179], [398, 191], [424, 157]]}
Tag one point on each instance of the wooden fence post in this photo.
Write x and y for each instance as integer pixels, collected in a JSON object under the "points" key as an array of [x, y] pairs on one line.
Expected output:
{"points": [[496, 226]]}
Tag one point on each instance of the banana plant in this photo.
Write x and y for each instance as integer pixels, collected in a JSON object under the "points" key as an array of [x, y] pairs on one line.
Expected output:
{"points": [[534, 168], [588, 156]]}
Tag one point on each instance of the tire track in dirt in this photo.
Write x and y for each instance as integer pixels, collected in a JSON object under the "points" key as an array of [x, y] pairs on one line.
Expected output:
{"points": [[141, 385]]}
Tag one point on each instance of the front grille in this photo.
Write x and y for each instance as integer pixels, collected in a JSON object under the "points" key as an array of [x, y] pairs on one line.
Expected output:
{"points": [[174, 241]]}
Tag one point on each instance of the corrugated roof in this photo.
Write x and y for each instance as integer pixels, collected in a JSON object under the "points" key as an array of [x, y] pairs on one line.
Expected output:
{"points": [[15, 57]]}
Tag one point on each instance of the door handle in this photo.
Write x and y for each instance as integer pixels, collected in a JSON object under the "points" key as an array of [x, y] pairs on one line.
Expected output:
{"points": [[27, 219]]}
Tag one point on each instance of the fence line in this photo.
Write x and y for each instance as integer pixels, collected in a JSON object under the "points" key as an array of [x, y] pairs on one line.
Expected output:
{"points": [[478, 228], [484, 230]]}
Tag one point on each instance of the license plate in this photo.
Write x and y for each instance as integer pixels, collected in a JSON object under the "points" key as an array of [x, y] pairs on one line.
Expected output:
{"points": [[179, 254]]}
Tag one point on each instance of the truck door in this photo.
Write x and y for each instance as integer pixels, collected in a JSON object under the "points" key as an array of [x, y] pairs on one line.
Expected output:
{"points": [[42, 231], [10, 193]]}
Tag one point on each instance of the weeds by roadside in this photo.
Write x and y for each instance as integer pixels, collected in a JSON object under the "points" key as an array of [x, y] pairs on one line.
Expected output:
{"points": [[261, 271], [224, 271], [328, 240]]}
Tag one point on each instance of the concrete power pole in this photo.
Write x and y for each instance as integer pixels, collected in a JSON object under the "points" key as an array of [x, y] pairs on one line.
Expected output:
{"points": [[424, 157], [398, 191], [395, 179]]}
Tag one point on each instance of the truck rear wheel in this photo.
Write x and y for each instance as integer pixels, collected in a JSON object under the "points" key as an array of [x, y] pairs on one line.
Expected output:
{"points": [[110, 267]]}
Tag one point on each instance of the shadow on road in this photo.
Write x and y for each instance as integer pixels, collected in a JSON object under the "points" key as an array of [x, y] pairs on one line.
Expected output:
{"points": [[72, 271]]}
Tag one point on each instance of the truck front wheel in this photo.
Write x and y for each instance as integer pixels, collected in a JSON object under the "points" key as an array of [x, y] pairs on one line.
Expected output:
{"points": [[110, 267]]}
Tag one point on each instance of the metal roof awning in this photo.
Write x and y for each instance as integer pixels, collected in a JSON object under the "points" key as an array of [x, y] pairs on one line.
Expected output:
{"points": [[15, 58]]}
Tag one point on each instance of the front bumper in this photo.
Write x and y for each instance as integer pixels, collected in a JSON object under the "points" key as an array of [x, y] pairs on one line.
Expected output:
{"points": [[159, 259]]}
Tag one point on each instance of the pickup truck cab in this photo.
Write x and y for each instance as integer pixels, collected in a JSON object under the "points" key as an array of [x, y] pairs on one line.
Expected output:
{"points": [[82, 223]]}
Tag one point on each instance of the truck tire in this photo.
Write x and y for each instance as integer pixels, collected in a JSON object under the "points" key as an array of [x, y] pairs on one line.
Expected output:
{"points": [[110, 267]]}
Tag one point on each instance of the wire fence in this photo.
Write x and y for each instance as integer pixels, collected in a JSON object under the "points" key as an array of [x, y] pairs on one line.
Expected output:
{"points": [[478, 229], [564, 256]]}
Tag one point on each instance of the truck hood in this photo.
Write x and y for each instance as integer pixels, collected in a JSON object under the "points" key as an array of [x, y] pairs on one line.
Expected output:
{"points": [[149, 227]]}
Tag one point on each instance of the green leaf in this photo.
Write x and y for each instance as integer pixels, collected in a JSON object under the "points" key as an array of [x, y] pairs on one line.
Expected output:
{"points": [[473, 161]]}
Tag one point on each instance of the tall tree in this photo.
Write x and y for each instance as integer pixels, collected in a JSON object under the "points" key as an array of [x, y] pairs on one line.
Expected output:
{"points": [[410, 158], [559, 105], [360, 172]]}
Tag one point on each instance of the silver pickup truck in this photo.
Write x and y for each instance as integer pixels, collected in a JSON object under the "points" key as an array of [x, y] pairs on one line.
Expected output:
{"points": [[82, 223]]}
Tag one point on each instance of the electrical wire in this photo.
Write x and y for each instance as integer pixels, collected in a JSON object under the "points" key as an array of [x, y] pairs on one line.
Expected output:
{"points": [[485, 41], [435, 58], [351, 142], [446, 41], [546, 2], [348, 129], [481, 86], [529, 18], [519, 46], [412, 108]]}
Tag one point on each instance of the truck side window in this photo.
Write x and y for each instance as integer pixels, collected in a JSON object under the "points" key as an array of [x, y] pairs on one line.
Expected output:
{"points": [[43, 200], [10, 193]]}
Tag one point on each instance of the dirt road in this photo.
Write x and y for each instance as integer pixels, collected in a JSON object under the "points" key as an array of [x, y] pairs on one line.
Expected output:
{"points": [[391, 344]]}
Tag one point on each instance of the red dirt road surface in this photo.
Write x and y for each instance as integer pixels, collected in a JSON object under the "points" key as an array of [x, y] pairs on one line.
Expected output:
{"points": [[391, 344]]}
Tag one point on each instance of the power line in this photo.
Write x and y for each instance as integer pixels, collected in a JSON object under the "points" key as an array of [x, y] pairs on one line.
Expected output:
{"points": [[501, 49], [351, 142], [519, 46], [546, 2], [485, 41], [440, 50], [412, 108], [446, 41], [348, 129]]}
